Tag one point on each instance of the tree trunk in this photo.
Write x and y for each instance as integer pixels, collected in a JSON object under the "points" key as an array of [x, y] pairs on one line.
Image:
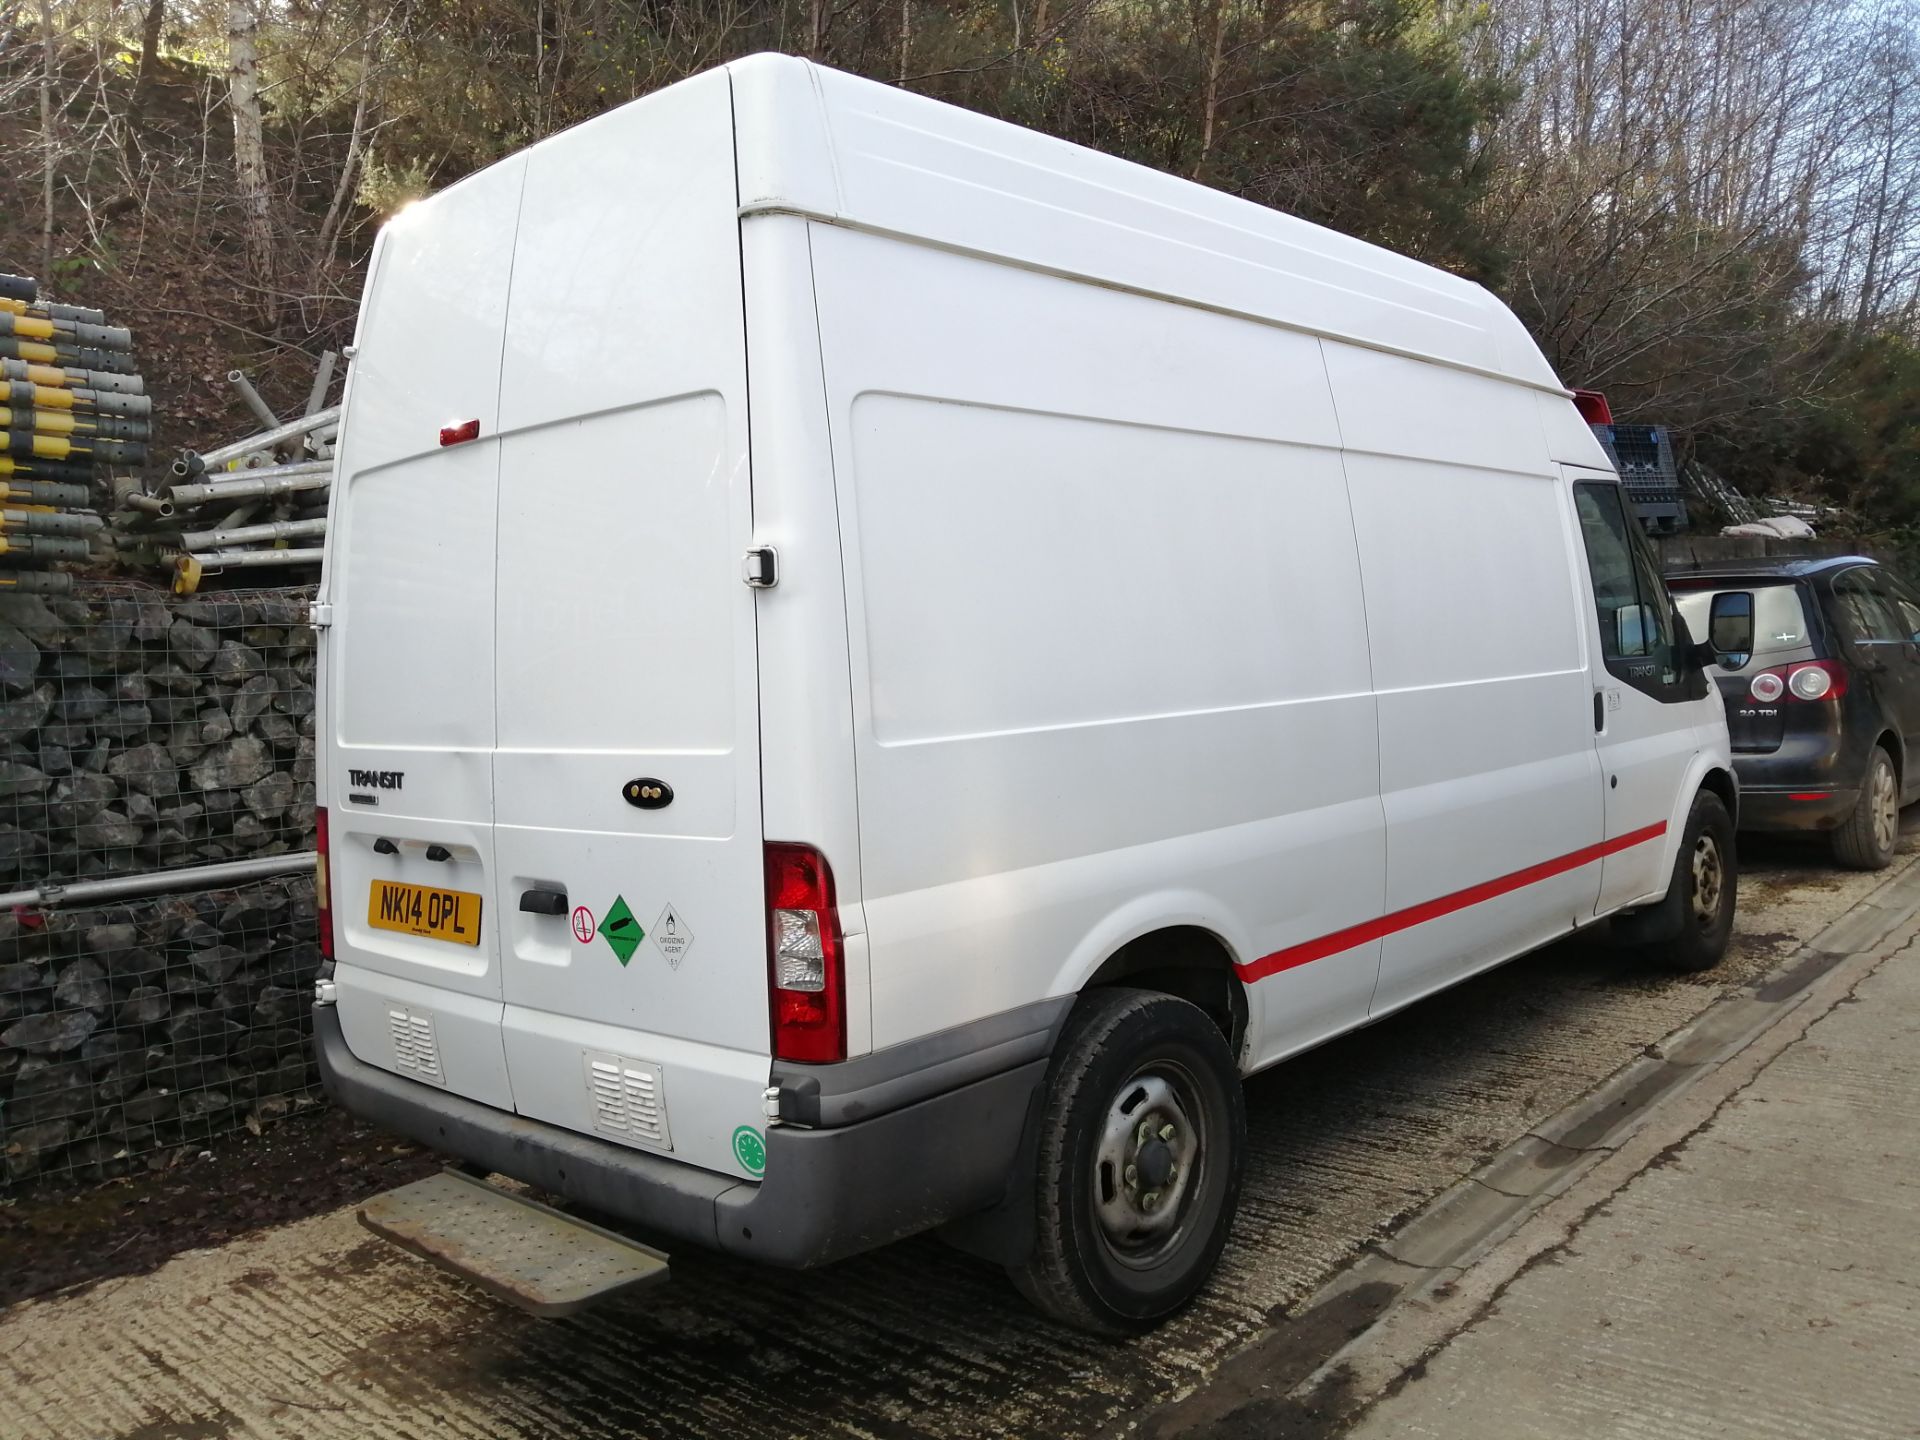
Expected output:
{"points": [[817, 28], [1210, 99], [150, 27], [50, 144], [337, 211], [906, 36], [249, 150]]}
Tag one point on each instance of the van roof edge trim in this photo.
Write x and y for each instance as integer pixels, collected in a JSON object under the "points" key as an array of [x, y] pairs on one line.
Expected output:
{"points": [[769, 207]]}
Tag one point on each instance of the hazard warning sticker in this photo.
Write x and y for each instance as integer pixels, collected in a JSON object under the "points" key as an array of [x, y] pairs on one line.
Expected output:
{"points": [[621, 930], [671, 934]]}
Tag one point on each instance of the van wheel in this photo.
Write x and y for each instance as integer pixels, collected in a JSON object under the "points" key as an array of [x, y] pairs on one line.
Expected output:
{"points": [[1141, 1144], [1689, 930], [1866, 838]]}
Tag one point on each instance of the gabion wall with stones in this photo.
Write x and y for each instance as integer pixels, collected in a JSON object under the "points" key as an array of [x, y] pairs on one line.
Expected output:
{"points": [[142, 733]]}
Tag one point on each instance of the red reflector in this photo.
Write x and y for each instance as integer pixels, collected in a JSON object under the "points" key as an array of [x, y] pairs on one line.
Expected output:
{"points": [[806, 979], [322, 886], [1593, 407], [456, 434], [1812, 795]]}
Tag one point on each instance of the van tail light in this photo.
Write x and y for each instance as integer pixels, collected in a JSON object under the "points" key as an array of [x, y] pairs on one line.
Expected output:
{"points": [[1593, 407], [322, 888], [1809, 680], [806, 978]]}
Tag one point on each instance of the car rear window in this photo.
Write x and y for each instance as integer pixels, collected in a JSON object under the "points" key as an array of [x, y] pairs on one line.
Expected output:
{"points": [[1779, 621]]}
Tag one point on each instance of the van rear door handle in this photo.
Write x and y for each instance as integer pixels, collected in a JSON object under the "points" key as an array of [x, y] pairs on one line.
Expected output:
{"points": [[544, 902], [1599, 712]]}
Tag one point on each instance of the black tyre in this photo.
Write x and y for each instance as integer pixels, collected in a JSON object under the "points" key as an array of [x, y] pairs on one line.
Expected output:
{"points": [[1141, 1143], [1866, 838], [1689, 929]]}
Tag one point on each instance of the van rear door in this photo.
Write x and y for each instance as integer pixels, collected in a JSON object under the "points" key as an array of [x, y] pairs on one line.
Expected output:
{"points": [[409, 664], [627, 770]]}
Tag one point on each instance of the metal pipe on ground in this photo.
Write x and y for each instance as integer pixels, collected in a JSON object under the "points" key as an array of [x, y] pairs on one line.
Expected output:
{"points": [[199, 463], [156, 505], [281, 480], [20, 287], [247, 559], [203, 540], [261, 410], [322, 378], [195, 877]]}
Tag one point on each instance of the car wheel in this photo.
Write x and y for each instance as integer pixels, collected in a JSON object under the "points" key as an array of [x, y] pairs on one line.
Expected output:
{"points": [[1141, 1145], [1866, 838], [1689, 930]]}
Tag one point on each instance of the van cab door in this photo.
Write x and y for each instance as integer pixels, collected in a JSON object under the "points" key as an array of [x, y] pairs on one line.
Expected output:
{"points": [[1643, 691]]}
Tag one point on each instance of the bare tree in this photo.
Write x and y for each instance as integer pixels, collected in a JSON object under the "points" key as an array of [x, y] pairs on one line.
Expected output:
{"points": [[249, 150]]}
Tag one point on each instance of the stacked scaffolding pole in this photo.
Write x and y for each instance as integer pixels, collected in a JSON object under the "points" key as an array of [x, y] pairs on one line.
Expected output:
{"points": [[73, 410]]}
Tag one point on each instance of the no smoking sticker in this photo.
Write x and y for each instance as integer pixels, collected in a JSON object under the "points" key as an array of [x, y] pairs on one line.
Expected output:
{"points": [[671, 934], [583, 924]]}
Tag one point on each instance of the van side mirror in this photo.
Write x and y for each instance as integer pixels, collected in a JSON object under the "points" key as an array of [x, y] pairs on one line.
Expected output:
{"points": [[1730, 628]]}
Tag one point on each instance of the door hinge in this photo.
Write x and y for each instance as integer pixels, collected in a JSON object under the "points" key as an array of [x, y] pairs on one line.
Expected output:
{"points": [[320, 614], [761, 567]]}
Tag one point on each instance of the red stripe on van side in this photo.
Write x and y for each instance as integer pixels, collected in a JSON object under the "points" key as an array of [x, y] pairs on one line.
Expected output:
{"points": [[1406, 919]]}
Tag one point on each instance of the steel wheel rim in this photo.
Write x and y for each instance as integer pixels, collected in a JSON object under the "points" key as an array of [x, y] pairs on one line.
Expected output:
{"points": [[1709, 879], [1886, 807], [1145, 1180]]}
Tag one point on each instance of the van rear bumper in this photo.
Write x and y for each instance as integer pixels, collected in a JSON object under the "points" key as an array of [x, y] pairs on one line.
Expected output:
{"points": [[828, 1193]]}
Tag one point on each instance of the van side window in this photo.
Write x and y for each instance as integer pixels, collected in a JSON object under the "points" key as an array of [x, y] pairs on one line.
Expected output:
{"points": [[1865, 610], [1636, 613]]}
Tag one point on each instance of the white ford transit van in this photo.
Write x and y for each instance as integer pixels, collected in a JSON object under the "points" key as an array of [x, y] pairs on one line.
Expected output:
{"points": [[874, 663]]}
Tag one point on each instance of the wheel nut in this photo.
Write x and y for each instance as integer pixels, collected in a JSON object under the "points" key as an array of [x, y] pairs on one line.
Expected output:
{"points": [[1150, 1199], [1133, 1174], [1167, 1132], [1144, 1133]]}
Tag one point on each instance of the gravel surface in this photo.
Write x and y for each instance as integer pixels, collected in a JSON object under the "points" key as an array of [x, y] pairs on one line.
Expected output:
{"points": [[315, 1328]]}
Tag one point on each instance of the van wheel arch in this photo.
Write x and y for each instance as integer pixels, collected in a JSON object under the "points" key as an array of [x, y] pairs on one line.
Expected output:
{"points": [[1185, 961], [1722, 783]]}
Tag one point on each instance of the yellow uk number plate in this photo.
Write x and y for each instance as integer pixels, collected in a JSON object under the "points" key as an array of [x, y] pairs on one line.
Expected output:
{"points": [[423, 910]]}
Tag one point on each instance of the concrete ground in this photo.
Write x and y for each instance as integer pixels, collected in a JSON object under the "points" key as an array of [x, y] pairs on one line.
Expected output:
{"points": [[1760, 1278], [317, 1329]]}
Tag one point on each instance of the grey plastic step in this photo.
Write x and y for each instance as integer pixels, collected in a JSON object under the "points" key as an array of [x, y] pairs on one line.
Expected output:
{"points": [[528, 1254]]}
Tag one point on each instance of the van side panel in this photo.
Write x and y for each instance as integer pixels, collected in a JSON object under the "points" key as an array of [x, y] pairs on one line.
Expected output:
{"points": [[625, 640], [1108, 647], [1487, 758]]}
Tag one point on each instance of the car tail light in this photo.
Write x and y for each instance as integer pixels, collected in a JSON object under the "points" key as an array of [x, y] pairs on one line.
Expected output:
{"points": [[1809, 680], [805, 976], [322, 888]]}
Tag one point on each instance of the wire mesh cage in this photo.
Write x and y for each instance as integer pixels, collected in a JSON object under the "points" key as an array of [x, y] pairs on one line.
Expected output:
{"points": [[150, 743]]}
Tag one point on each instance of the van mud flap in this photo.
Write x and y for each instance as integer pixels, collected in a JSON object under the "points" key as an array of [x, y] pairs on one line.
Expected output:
{"points": [[530, 1255]]}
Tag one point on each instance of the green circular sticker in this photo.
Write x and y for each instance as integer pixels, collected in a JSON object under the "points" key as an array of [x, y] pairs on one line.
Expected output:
{"points": [[750, 1150]]}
